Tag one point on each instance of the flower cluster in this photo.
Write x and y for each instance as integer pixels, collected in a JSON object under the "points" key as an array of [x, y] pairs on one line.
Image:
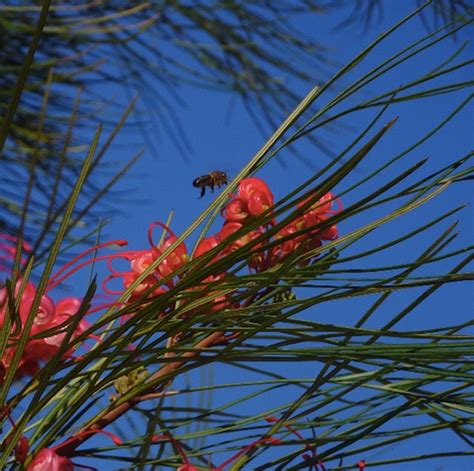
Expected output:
{"points": [[50, 321], [161, 277], [253, 198], [48, 459], [49, 315]]}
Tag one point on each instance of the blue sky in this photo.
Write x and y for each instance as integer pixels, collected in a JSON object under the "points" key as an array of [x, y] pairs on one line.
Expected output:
{"points": [[223, 137]]}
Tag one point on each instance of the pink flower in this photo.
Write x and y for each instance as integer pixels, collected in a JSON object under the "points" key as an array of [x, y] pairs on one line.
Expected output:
{"points": [[255, 192], [140, 260], [319, 212], [253, 198], [48, 316], [176, 259], [236, 210], [48, 460]]}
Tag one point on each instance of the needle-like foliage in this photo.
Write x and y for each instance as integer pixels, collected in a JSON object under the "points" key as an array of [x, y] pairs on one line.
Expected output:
{"points": [[314, 390]]}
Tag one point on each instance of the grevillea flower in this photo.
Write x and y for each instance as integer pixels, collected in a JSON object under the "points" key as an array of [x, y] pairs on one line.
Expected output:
{"points": [[255, 192], [209, 288], [205, 245], [319, 212], [258, 260], [176, 259], [47, 317], [253, 198], [48, 460], [236, 210], [140, 260]]}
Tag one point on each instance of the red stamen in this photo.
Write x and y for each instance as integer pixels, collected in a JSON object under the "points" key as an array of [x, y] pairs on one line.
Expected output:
{"points": [[339, 208], [298, 434], [244, 450], [150, 231], [57, 279], [107, 290], [129, 255]]}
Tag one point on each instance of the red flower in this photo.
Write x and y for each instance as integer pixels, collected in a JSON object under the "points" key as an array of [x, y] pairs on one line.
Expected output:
{"points": [[176, 259], [48, 460], [220, 301], [291, 243], [47, 317], [256, 194], [229, 228], [205, 245], [253, 198], [319, 212], [236, 210], [140, 260]]}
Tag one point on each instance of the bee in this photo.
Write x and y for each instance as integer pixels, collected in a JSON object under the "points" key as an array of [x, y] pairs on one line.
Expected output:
{"points": [[211, 180]]}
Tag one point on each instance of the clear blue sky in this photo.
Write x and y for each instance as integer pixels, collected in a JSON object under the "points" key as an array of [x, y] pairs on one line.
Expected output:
{"points": [[162, 180]]}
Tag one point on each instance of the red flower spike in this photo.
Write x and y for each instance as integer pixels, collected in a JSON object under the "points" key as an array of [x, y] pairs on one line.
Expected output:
{"points": [[318, 212], [312, 218], [207, 244], [324, 204], [140, 263], [152, 226], [256, 194], [47, 317]]}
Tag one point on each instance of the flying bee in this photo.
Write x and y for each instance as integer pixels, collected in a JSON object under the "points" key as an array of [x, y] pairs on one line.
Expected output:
{"points": [[211, 180]]}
